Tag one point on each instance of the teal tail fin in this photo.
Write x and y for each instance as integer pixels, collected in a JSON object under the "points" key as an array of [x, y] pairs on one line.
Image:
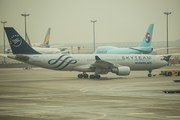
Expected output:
{"points": [[148, 37]]}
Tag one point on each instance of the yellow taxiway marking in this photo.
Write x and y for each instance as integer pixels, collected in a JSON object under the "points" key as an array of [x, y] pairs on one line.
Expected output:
{"points": [[6, 107], [172, 116], [52, 106], [139, 113]]}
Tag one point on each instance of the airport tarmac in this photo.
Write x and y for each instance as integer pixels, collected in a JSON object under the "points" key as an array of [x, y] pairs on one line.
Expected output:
{"points": [[41, 94]]}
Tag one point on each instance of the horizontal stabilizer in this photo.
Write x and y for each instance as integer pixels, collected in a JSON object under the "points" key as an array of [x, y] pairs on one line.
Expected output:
{"points": [[139, 49], [4, 55], [22, 58], [163, 48]]}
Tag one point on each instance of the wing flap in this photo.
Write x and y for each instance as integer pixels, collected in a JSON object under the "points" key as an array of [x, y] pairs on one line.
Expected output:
{"points": [[100, 64]]}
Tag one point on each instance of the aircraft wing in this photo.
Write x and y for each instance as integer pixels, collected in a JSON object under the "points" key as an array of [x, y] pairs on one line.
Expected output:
{"points": [[56, 46], [103, 64], [162, 48], [139, 49]]}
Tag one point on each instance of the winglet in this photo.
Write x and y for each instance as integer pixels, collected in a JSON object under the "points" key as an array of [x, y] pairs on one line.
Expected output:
{"points": [[97, 58]]}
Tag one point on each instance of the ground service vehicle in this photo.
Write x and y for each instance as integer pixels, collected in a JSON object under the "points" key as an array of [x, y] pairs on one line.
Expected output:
{"points": [[171, 72]]}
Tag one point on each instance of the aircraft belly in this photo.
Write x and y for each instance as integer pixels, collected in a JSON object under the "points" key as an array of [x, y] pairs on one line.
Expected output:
{"points": [[83, 68]]}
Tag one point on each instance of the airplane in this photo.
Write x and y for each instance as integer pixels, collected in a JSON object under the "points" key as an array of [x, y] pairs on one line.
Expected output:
{"points": [[144, 48], [46, 41], [120, 64], [45, 44], [43, 50]]}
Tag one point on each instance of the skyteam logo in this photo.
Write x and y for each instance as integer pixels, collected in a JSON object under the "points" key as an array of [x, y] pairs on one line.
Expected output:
{"points": [[148, 37], [15, 40], [62, 62]]}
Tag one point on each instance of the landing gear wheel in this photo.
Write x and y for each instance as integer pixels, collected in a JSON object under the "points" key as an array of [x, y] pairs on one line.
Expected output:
{"points": [[80, 75], [98, 76], [149, 75], [92, 76], [85, 75], [95, 76]]}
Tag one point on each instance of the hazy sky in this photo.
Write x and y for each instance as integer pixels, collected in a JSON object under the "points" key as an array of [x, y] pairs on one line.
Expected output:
{"points": [[117, 20]]}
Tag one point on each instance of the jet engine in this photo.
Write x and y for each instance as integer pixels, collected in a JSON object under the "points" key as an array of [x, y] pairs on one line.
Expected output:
{"points": [[123, 70]]}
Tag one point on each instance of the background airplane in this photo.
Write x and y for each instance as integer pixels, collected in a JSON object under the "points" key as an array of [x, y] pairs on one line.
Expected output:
{"points": [[99, 64], [46, 41], [45, 44], [43, 50], [144, 48]]}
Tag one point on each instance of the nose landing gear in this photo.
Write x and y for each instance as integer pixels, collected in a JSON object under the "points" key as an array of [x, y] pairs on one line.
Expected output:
{"points": [[149, 75]]}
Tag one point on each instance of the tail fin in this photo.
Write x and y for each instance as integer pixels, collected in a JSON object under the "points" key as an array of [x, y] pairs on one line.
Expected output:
{"points": [[46, 40], [148, 37], [28, 40], [17, 43]]}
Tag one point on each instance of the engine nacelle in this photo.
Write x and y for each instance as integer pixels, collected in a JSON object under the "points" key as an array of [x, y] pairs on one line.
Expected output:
{"points": [[123, 70]]}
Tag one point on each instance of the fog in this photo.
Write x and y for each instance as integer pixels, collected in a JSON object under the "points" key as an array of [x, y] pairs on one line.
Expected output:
{"points": [[118, 21]]}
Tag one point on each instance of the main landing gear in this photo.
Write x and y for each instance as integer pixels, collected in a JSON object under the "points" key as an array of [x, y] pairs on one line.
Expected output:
{"points": [[95, 76], [149, 75], [84, 75]]}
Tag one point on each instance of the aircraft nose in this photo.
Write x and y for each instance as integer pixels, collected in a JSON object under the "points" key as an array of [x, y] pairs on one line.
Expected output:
{"points": [[162, 63], [165, 63]]}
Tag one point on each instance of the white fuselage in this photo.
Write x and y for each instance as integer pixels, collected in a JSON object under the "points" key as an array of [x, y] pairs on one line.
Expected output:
{"points": [[86, 62]]}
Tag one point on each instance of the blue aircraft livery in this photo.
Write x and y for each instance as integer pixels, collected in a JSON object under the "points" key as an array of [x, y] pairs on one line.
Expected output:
{"points": [[142, 62], [144, 48], [62, 63]]}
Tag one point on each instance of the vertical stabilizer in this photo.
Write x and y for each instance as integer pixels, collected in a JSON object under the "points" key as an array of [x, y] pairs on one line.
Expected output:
{"points": [[148, 37], [17, 43], [46, 40], [28, 40]]}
